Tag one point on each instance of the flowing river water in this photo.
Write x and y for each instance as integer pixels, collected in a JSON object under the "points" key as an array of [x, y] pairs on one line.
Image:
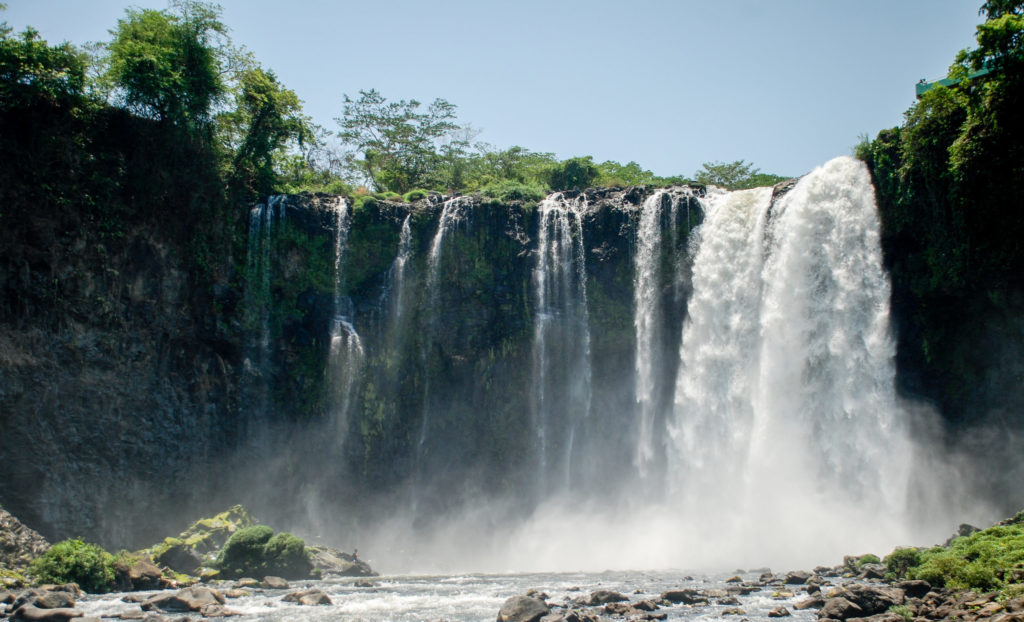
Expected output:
{"points": [[472, 597]]}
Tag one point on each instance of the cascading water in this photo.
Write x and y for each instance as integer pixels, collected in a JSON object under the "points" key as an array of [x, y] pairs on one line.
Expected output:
{"points": [[787, 364], [346, 353], [561, 339], [396, 276], [649, 283], [258, 264], [452, 213]]}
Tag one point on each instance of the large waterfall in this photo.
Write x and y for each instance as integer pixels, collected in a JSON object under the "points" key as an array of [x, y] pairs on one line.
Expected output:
{"points": [[622, 378]]}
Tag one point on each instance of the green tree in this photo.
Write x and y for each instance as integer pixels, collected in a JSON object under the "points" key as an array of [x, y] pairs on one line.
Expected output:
{"points": [[574, 173], [267, 119], [397, 142], [32, 71], [74, 561], [738, 175], [167, 64]]}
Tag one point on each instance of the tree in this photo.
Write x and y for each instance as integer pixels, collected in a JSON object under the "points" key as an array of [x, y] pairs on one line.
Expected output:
{"points": [[266, 120], [574, 173], [167, 64], [397, 142], [738, 175], [31, 70]]}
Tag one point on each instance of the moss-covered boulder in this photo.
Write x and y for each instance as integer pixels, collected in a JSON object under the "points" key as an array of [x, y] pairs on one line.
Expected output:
{"points": [[198, 545], [257, 551]]}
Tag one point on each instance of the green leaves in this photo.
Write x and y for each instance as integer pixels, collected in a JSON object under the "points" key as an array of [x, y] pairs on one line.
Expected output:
{"points": [[31, 70], [399, 143], [738, 175], [166, 65], [74, 561]]}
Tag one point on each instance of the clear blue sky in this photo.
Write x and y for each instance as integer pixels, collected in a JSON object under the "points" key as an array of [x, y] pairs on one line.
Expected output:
{"points": [[785, 84]]}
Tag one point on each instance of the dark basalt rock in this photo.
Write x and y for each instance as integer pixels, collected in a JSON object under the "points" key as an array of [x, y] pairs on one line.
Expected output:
{"points": [[523, 609]]}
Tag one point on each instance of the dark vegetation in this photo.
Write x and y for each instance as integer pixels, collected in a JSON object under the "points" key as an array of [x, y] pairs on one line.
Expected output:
{"points": [[953, 220]]}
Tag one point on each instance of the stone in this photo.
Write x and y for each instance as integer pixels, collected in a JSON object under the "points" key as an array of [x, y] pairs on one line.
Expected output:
{"points": [[523, 609], [734, 579], [216, 610], [873, 571], [179, 557], [31, 613], [245, 582], [274, 583], [144, 575], [332, 561], [914, 588], [873, 600], [839, 608], [733, 611], [601, 597], [797, 577], [308, 598], [686, 596], [779, 612], [236, 593], [812, 602], [54, 600], [363, 583], [188, 599], [728, 600]]}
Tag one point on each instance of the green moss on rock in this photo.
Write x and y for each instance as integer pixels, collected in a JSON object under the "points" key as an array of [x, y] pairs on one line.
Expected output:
{"points": [[257, 551], [75, 561]]}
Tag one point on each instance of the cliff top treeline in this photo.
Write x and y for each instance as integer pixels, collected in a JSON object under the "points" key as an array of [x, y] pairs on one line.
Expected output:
{"points": [[179, 69]]}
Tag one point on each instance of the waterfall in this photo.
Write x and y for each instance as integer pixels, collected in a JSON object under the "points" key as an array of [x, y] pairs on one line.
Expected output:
{"points": [[786, 364], [652, 277], [346, 352], [453, 212], [258, 303], [561, 338], [396, 275]]}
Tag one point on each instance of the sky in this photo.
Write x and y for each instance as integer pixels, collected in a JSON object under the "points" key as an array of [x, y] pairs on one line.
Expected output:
{"points": [[783, 84]]}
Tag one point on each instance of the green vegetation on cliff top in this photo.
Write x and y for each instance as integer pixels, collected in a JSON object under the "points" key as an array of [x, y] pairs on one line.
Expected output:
{"points": [[952, 223]]}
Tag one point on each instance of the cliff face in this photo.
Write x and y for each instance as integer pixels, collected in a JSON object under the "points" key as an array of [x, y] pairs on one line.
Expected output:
{"points": [[139, 386]]}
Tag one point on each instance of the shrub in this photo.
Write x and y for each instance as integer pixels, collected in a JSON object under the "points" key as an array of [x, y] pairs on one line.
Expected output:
{"points": [[868, 559], [508, 190], [901, 560], [257, 552], [983, 560], [415, 195], [74, 561]]}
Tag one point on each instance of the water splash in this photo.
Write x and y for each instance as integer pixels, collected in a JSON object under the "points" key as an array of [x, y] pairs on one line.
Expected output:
{"points": [[561, 339]]}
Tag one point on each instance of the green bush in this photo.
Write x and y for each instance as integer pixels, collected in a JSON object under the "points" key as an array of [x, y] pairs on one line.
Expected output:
{"points": [[74, 561], [415, 195], [258, 552], [508, 190], [868, 559], [901, 560], [984, 560]]}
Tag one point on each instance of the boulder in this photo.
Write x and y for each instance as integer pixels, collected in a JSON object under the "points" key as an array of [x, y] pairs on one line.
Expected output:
{"points": [[686, 596], [873, 600], [779, 612], [601, 597], [144, 575], [733, 611], [179, 557], [31, 613], [839, 608], [523, 609], [215, 610], [797, 577], [308, 597], [914, 588], [873, 571], [812, 602], [332, 561], [182, 601], [274, 583]]}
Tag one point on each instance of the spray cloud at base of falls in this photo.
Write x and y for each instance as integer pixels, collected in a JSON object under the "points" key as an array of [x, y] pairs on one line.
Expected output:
{"points": [[686, 380]]}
